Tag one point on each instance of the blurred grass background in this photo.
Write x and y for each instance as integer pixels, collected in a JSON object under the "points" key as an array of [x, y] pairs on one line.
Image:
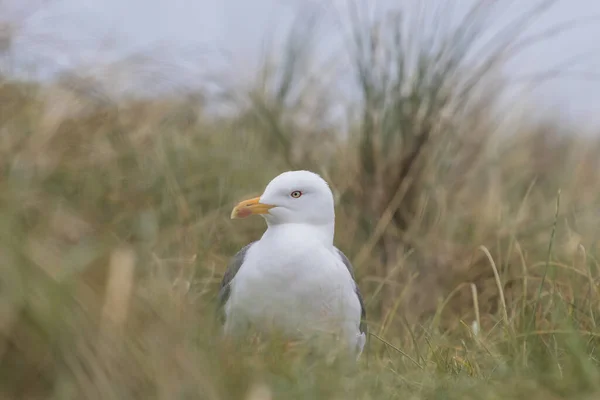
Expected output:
{"points": [[474, 234]]}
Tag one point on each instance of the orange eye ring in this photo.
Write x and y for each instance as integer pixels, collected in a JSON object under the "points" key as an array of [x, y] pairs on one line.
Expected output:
{"points": [[296, 193]]}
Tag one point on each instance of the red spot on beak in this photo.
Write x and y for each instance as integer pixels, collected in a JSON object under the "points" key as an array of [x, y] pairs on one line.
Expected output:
{"points": [[243, 212]]}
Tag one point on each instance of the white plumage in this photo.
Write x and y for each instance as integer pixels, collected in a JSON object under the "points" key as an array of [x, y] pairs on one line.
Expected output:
{"points": [[293, 279]]}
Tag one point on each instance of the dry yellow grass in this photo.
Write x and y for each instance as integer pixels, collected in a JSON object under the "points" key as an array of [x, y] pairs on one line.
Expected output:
{"points": [[100, 181], [115, 232]]}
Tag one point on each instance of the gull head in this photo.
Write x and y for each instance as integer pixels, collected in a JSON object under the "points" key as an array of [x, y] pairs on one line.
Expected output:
{"points": [[294, 197]]}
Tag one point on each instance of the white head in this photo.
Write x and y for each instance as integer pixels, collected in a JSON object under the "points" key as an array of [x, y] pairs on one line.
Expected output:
{"points": [[296, 197]]}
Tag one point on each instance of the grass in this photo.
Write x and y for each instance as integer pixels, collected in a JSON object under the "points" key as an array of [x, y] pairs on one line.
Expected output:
{"points": [[475, 242]]}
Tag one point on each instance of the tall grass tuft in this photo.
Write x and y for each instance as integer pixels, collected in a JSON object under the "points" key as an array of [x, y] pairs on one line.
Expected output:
{"points": [[115, 229]]}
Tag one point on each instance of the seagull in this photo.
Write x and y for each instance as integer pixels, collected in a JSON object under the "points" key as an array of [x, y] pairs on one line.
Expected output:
{"points": [[293, 280]]}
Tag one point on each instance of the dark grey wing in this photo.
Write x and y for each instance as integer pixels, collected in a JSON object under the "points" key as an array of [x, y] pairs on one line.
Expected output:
{"points": [[232, 269], [363, 312]]}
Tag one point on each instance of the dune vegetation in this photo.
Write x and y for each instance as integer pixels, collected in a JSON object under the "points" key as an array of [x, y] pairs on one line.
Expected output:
{"points": [[474, 229]]}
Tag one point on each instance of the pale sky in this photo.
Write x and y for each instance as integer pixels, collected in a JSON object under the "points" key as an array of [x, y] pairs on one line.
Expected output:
{"points": [[191, 32]]}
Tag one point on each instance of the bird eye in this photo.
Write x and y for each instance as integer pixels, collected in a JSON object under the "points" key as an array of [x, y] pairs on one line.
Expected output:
{"points": [[296, 193]]}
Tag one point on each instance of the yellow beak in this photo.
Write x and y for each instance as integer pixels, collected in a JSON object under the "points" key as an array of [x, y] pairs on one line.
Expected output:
{"points": [[250, 207]]}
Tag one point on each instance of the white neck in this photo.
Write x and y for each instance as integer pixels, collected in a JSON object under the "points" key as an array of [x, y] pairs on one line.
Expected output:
{"points": [[322, 233]]}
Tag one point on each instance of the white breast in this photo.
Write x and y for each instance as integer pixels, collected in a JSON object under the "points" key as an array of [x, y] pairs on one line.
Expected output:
{"points": [[295, 285]]}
